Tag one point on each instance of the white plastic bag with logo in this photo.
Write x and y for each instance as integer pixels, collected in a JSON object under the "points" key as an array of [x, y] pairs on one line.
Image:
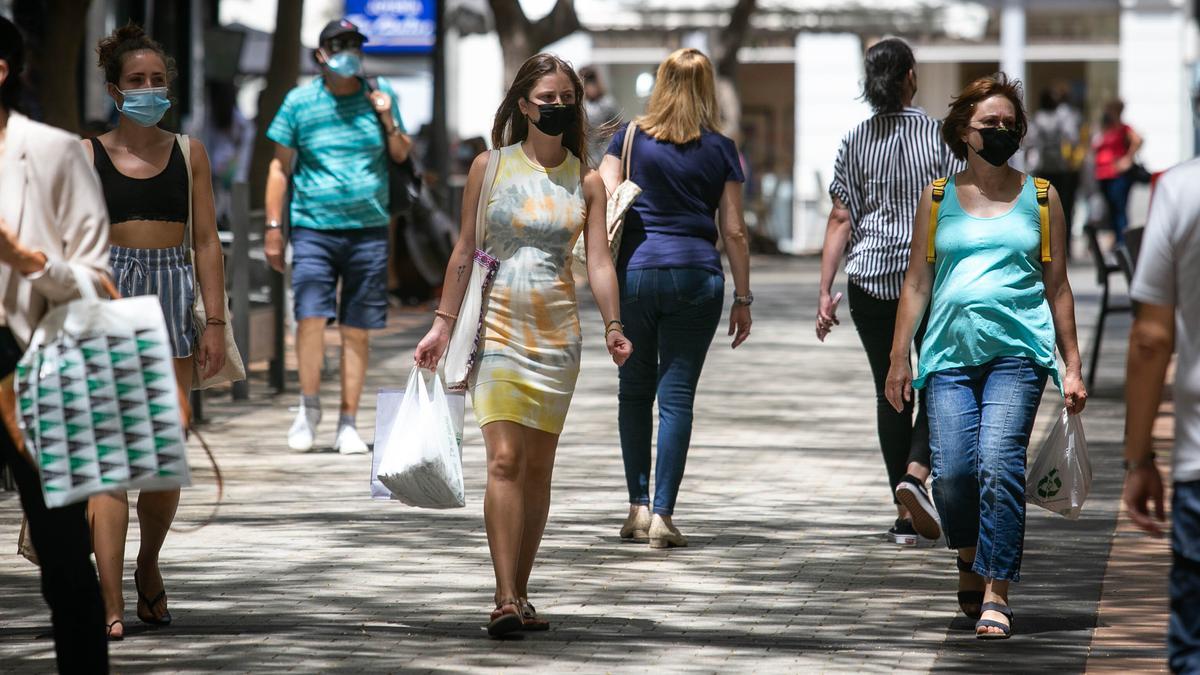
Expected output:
{"points": [[421, 455], [1060, 477]]}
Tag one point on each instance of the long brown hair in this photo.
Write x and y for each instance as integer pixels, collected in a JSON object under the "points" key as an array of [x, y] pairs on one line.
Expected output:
{"points": [[684, 101], [510, 126]]}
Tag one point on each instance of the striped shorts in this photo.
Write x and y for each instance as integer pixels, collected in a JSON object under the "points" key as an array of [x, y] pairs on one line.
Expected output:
{"points": [[162, 272]]}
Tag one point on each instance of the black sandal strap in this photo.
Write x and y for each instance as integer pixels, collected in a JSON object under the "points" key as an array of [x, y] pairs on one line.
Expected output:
{"points": [[988, 623], [997, 607]]}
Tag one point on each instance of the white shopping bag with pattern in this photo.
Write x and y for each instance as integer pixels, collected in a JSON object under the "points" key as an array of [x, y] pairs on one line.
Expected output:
{"points": [[1060, 477], [98, 400]]}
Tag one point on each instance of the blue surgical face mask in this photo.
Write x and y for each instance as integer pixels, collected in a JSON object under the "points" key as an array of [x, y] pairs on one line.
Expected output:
{"points": [[344, 64], [145, 107]]}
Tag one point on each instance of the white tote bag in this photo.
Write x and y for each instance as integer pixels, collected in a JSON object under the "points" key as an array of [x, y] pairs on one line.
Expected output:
{"points": [[464, 339], [1060, 477], [98, 400], [422, 455]]}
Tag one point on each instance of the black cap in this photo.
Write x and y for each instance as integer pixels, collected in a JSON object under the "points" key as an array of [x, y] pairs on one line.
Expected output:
{"points": [[339, 28]]}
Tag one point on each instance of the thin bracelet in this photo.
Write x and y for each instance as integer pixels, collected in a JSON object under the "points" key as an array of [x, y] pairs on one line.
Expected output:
{"points": [[619, 329], [616, 321], [214, 321], [445, 315]]}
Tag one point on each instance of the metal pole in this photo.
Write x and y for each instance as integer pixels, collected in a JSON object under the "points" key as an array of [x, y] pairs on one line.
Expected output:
{"points": [[239, 277], [439, 142]]}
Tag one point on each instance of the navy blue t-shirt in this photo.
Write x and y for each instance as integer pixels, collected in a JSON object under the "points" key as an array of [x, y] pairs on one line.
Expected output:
{"points": [[673, 222]]}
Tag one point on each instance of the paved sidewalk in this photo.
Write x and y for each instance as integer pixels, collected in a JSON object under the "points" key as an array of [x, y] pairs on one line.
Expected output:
{"points": [[785, 502]]}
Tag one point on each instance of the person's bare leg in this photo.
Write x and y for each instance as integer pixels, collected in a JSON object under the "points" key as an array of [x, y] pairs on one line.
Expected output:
{"points": [[310, 354], [156, 511], [540, 448], [356, 352], [919, 471], [504, 502], [997, 591], [108, 517]]}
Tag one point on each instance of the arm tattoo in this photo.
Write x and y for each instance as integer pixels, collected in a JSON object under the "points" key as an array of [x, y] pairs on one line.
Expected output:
{"points": [[461, 269]]}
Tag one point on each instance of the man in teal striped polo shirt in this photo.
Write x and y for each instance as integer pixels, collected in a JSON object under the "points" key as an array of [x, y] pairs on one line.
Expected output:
{"points": [[339, 134]]}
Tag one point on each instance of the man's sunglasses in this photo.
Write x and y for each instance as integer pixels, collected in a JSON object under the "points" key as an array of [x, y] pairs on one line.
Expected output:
{"points": [[341, 44]]}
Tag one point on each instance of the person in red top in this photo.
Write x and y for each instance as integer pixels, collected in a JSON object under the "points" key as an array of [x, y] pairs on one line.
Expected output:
{"points": [[1115, 147]]}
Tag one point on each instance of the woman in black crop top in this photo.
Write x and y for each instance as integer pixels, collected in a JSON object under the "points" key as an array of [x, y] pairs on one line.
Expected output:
{"points": [[144, 173]]}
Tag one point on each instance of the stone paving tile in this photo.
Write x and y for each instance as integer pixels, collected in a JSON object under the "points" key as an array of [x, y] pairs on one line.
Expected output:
{"points": [[785, 502]]}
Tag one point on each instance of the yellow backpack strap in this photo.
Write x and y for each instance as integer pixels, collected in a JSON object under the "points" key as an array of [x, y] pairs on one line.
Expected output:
{"points": [[1043, 199], [939, 191]]}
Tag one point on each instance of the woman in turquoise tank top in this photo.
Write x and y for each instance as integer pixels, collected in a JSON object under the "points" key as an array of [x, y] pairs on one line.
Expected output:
{"points": [[995, 280]]}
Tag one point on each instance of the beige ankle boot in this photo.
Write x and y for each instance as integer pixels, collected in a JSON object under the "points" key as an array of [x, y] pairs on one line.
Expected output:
{"points": [[637, 524], [664, 534]]}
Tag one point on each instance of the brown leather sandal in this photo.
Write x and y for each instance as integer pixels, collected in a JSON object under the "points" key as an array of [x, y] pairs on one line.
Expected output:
{"points": [[505, 619], [529, 616]]}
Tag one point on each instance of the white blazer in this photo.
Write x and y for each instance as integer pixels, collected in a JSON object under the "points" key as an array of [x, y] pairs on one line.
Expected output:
{"points": [[50, 196]]}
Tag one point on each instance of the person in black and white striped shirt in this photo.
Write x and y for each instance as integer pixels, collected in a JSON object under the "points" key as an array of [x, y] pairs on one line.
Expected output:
{"points": [[881, 168]]}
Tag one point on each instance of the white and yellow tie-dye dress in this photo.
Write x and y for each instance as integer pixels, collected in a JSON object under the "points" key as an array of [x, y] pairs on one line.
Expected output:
{"points": [[529, 358]]}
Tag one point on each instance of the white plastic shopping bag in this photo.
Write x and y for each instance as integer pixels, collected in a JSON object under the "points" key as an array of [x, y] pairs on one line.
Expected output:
{"points": [[1060, 477], [421, 458], [387, 408]]}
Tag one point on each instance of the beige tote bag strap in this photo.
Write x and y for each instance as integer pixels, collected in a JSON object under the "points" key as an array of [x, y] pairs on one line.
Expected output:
{"points": [[189, 236], [627, 150], [485, 193]]}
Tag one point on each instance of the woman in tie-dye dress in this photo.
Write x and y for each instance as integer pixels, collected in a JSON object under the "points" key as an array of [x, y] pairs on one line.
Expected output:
{"points": [[543, 198]]}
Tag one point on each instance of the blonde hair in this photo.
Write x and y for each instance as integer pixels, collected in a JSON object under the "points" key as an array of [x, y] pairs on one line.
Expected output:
{"points": [[684, 100]]}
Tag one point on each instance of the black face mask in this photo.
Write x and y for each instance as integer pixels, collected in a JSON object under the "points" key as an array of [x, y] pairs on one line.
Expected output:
{"points": [[999, 144], [554, 118]]}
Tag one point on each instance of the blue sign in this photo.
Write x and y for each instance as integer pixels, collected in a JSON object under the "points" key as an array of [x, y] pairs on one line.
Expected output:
{"points": [[395, 26]]}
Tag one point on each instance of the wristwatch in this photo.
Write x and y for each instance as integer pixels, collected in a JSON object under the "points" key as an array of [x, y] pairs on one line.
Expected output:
{"points": [[743, 300], [273, 224]]}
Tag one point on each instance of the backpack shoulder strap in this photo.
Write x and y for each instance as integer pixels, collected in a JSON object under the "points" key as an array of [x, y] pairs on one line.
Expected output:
{"points": [[1043, 200], [939, 193], [485, 193]]}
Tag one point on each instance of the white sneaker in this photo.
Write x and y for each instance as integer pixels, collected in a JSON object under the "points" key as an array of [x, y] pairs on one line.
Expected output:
{"points": [[304, 429], [349, 442]]}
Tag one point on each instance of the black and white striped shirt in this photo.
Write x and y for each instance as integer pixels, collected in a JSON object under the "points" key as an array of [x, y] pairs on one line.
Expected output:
{"points": [[882, 166]]}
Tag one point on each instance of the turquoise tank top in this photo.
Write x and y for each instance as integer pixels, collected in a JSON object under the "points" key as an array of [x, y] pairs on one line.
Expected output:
{"points": [[988, 297]]}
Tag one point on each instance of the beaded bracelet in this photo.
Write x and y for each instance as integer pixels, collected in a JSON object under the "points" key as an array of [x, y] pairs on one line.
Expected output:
{"points": [[445, 315]]}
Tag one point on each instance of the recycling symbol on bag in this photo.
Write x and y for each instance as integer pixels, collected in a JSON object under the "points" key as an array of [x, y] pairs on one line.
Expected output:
{"points": [[1049, 485]]}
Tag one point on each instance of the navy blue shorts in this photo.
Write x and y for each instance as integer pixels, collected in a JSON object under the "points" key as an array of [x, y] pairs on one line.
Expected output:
{"points": [[357, 258]]}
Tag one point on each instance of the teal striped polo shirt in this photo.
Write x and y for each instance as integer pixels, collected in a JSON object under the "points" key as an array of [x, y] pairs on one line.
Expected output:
{"points": [[340, 181]]}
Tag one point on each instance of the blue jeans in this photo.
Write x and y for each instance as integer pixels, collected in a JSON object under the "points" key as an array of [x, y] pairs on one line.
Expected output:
{"points": [[1116, 196], [670, 316], [980, 419], [1183, 631]]}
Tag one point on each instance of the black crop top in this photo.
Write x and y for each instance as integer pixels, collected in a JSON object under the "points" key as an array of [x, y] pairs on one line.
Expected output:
{"points": [[163, 197]]}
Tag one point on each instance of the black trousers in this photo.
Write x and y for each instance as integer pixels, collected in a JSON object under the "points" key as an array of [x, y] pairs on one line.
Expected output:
{"points": [[901, 440], [63, 544]]}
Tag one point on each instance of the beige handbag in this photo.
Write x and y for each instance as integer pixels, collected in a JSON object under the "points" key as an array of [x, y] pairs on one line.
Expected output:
{"points": [[618, 204], [233, 370]]}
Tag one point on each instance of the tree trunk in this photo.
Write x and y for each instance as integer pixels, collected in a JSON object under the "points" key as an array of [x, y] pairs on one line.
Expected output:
{"points": [[729, 42], [282, 75], [521, 38], [56, 56]]}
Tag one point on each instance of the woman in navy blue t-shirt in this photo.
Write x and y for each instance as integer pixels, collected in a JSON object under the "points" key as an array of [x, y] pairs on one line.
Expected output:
{"points": [[672, 283]]}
